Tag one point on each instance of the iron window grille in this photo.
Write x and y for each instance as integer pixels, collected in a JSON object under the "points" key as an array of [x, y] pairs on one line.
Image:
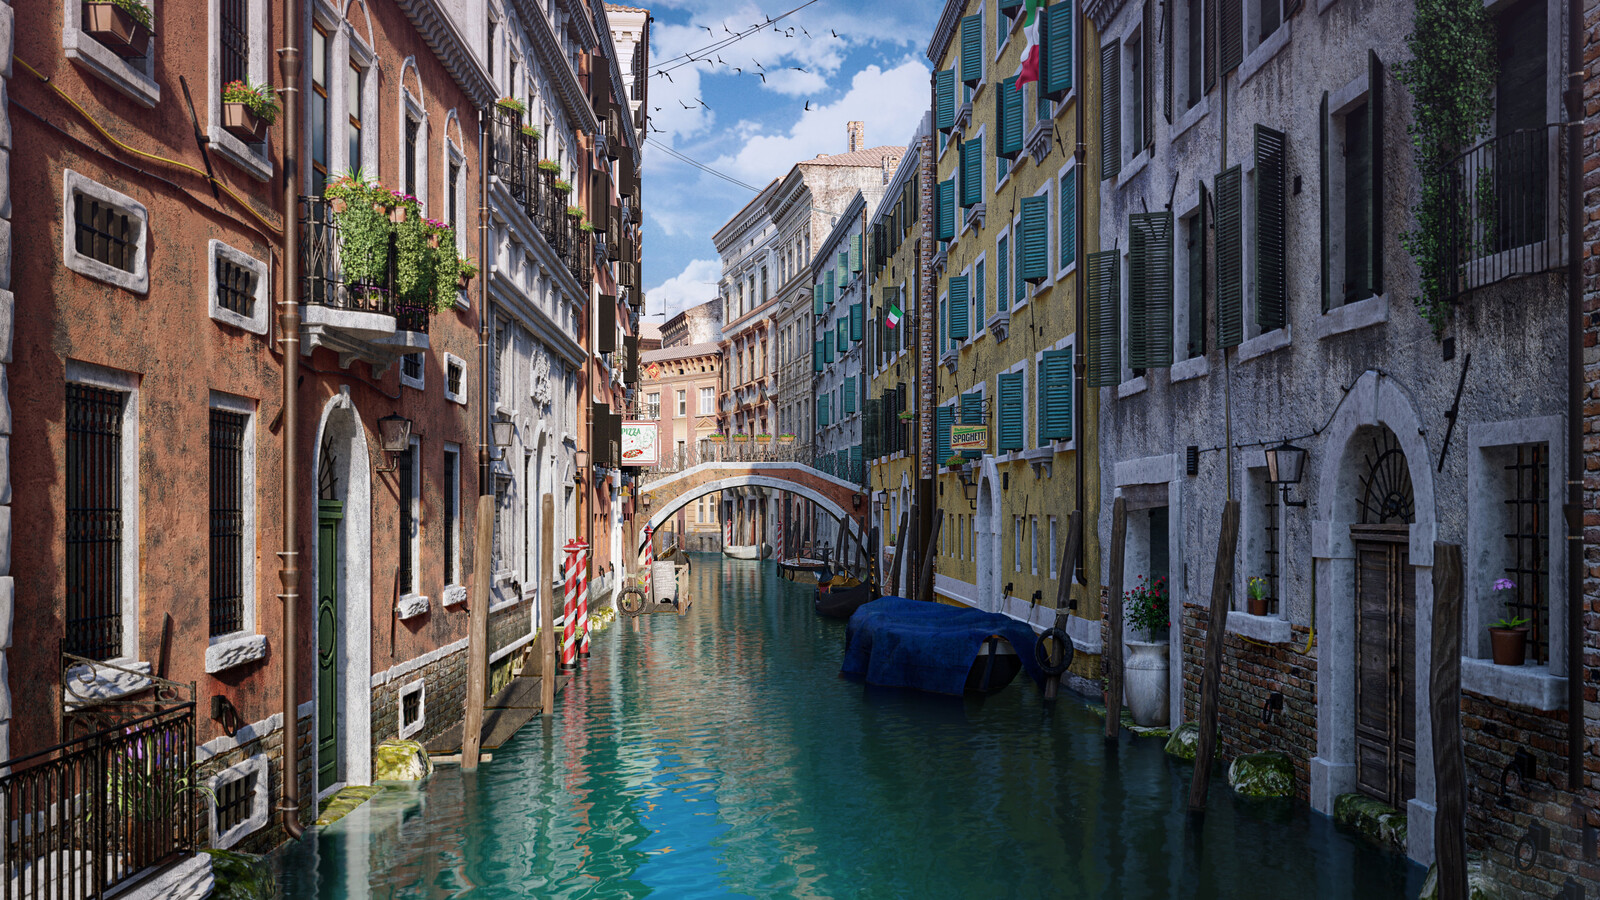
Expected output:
{"points": [[234, 35], [453, 373], [236, 287], [104, 233], [1529, 536], [227, 521], [405, 465], [410, 708], [94, 521], [235, 802], [411, 366], [1270, 536]]}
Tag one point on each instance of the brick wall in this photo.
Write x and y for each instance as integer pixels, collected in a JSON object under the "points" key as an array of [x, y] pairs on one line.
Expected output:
{"points": [[270, 745], [1591, 420]]}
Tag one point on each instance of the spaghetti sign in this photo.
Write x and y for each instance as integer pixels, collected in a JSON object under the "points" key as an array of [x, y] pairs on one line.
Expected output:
{"points": [[969, 437]]}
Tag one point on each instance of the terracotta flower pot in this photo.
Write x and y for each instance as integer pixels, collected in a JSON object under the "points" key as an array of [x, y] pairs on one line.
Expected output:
{"points": [[397, 215], [1510, 645], [1257, 606], [433, 241], [243, 124], [112, 26], [338, 204]]}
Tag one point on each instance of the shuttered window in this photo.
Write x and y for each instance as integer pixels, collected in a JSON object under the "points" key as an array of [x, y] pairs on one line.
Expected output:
{"points": [[1230, 266], [827, 346], [1270, 279], [872, 427], [1055, 396], [849, 394], [1019, 288], [943, 417], [1036, 238], [1003, 270], [945, 227], [1057, 63], [972, 49], [855, 253], [1013, 433], [1069, 217], [819, 296], [1150, 290], [858, 314], [1147, 79], [958, 308], [824, 404], [1105, 318], [972, 171], [1195, 247], [843, 265], [816, 356], [1232, 37], [830, 282], [1111, 110], [944, 95], [980, 304], [1008, 119], [972, 414]]}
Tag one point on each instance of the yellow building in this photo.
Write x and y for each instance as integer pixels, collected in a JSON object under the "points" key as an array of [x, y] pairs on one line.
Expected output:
{"points": [[1009, 213]]}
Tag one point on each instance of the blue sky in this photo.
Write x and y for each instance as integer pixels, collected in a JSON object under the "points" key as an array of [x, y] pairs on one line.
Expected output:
{"points": [[752, 131]]}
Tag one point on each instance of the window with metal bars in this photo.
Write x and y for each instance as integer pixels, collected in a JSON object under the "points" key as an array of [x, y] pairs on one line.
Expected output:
{"points": [[453, 374], [411, 366], [236, 287], [227, 521], [235, 802], [1528, 514], [94, 521], [1269, 552], [233, 33], [410, 708], [405, 465], [104, 232], [452, 515]]}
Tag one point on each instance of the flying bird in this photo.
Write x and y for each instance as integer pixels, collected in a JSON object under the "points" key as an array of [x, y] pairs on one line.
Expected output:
{"points": [[668, 74], [808, 106], [798, 69], [803, 30], [725, 27], [835, 33], [720, 62], [704, 103], [763, 77], [759, 65], [738, 71], [684, 105], [708, 30]]}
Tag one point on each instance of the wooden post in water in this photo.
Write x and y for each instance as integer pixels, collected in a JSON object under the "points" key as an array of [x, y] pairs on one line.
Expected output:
{"points": [[900, 549], [1068, 565], [1112, 657], [1211, 675], [1450, 792], [547, 608], [925, 577], [478, 635]]}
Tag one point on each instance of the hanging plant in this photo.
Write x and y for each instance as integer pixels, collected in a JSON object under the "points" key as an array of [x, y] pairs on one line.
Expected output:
{"points": [[260, 99], [416, 260], [564, 187], [467, 267], [447, 268], [575, 212], [512, 104], [528, 131], [364, 230], [1451, 76], [549, 165], [587, 228]]}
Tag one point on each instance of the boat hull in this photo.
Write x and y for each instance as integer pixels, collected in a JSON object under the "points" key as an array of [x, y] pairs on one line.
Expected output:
{"points": [[842, 603], [747, 551]]}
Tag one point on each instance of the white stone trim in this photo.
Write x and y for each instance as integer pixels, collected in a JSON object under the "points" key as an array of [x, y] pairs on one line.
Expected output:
{"points": [[128, 383], [517, 644], [254, 731], [417, 662], [1264, 343], [454, 595], [407, 729], [410, 606], [261, 303], [260, 803], [234, 650], [254, 159], [97, 683], [137, 281], [412, 106], [247, 407], [1352, 316], [133, 79], [1533, 687], [1188, 369], [450, 359], [421, 381], [1265, 51], [1267, 629]]}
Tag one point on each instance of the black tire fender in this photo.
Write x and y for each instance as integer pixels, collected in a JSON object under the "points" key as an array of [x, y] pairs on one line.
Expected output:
{"points": [[1053, 663]]}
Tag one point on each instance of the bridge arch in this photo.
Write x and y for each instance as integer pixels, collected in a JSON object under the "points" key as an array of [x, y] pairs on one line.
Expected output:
{"points": [[679, 490]]}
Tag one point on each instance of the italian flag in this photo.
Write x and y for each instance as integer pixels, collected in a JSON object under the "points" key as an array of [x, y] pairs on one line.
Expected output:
{"points": [[1030, 57], [892, 318]]}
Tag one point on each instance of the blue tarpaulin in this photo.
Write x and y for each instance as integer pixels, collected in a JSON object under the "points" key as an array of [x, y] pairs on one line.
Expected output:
{"points": [[897, 642]]}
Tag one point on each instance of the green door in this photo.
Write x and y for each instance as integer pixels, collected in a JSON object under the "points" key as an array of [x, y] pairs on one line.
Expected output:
{"points": [[328, 515]]}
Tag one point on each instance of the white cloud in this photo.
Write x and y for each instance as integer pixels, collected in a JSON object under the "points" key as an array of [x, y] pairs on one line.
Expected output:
{"points": [[696, 284]]}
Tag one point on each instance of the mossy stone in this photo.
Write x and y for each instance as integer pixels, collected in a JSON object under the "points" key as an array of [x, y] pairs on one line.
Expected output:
{"points": [[1268, 774], [1378, 821], [240, 876], [334, 808], [401, 761], [1184, 741], [1479, 885]]}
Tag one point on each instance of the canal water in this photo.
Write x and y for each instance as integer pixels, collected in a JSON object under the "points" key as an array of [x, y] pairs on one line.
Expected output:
{"points": [[720, 754]]}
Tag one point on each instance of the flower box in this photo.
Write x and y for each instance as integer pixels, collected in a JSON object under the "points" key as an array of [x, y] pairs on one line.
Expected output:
{"points": [[117, 29], [239, 121]]}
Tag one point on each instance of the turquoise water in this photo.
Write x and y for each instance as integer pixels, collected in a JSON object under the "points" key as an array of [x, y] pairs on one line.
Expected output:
{"points": [[719, 754]]}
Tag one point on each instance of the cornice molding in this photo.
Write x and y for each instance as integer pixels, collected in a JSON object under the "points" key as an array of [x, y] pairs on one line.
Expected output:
{"points": [[619, 94], [555, 63], [945, 31], [586, 29], [435, 27], [1101, 12]]}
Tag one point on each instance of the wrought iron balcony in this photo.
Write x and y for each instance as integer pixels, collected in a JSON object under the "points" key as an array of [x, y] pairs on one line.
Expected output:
{"points": [[357, 316], [1503, 212], [510, 157]]}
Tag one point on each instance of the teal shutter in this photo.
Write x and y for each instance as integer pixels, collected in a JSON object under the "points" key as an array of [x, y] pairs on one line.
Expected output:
{"points": [[1111, 110], [943, 418], [1069, 217], [971, 164], [871, 425], [1056, 79], [1055, 396], [1230, 266], [1002, 280], [945, 227], [972, 414], [1008, 119], [980, 306], [823, 403], [958, 308], [1010, 7], [856, 473], [944, 99], [1272, 290], [819, 294], [1012, 431], [844, 264], [816, 356], [1232, 25], [1036, 238], [849, 394], [831, 286], [1150, 290], [827, 346], [1019, 287], [1105, 313], [840, 334], [972, 49], [858, 318], [855, 253]]}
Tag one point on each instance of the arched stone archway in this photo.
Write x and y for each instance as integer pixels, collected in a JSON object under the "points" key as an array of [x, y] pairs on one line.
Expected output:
{"points": [[986, 525], [681, 500]]}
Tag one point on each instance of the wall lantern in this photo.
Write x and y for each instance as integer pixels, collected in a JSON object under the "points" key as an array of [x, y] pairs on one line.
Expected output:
{"points": [[855, 500], [394, 436], [969, 486], [1286, 463], [646, 500], [501, 426]]}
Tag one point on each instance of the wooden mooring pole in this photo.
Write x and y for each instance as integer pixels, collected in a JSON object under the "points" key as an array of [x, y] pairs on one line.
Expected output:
{"points": [[1211, 675], [1450, 789], [547, 608], [1069, 565], [900, 549], [478, 634], [925, 577], [1111, 658]]}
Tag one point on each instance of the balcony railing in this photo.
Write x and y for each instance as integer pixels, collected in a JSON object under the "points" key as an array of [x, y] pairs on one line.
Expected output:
{"points": [[1502, 213], [323, 281], [509, 156]]}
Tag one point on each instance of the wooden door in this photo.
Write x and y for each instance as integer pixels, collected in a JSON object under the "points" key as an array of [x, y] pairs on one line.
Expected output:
{"points": [[328, 515], [1386, 632]]}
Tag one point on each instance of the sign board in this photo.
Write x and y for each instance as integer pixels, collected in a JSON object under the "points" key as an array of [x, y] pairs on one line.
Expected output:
{"points": [[969, 437], [640, 445]]}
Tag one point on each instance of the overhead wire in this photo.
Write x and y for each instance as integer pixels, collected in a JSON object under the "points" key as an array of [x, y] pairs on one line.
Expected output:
{"points": [[689, 58]]}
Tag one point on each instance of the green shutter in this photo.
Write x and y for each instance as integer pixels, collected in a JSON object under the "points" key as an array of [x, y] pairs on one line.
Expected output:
{"points": [[1010, 7], [1110, 110], [1105, 314], [972, 171], [827, 346], [1003, 270], [1375, 131], [870, 426], [980, 305], [856, 473], [1232, 24], [1036, 237], [819, 294], [1322, 158], [823, 403], [1057, 39], [1270, 282], [844, 264], [816, 356], [1147, 87], [1055, 396], [858, 319], [1019, 287], [972, 414], [944, 94], [855, 253], [840, 335], [829, 299], [1013, 434], [945, 227], [958, 308], [1008, 119], [849, 394], [1150, 290], [1230, 267], [1167, 40], [972, 49], [943, 418], [1069, 217]]}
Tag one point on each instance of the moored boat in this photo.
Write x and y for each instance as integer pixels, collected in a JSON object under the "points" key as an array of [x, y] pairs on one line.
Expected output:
{"points": [[841, 597], [747, 551], [798, 567]]}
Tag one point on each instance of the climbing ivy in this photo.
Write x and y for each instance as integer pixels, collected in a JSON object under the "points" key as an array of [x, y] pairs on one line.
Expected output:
{"points": [[1451, 76]]}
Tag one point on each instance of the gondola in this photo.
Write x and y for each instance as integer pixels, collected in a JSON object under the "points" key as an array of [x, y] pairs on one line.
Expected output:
{"points": [[747, 551], [801, 567], [839, 597]]}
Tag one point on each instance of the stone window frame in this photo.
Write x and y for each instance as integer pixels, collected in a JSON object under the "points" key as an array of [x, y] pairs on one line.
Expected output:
{"points": [[414, 603], [420, 382], [1184, 366], [257, 321], [403, 729], [126, 383], [1341, 317], [412, 106], [254, 159], [137, 281], [1070, 342], [134, 79], [1030, 385], [1256, 343], [450, 359], [1272, 628], [245, 645], [260, 804]]}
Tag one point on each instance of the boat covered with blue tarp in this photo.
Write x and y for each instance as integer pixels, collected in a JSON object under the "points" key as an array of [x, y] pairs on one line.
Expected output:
{"points": [[896, 642]]}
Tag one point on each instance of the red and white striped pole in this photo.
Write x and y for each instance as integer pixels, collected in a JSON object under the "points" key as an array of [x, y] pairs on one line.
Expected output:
{"points": [[583, 599], [569, 618], [649, 558], [778, 536]]}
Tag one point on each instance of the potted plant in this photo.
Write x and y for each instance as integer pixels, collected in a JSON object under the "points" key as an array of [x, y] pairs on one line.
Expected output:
{"points": [[466, 269], [573, 212], [248, 110], [955, 461], [123, 26], [549, 166], [563, 186], [512, 104], [1256, 590], [1144, 671], [436, 233], [1508, 638], [361, 216], [532, 133], [400, 206]]}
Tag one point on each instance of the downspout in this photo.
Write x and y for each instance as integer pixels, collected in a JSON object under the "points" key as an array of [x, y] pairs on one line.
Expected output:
{"points": [[1575, 394], [1080, 362], [289, 307], [485, 467]]}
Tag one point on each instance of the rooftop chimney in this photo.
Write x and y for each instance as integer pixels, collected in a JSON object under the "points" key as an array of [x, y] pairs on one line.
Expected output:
{"points": [[858, 135]]}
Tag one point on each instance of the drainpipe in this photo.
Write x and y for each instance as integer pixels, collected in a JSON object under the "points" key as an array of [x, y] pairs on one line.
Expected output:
{"points": [[1080, 362], [1575, 394], [289, 305]]}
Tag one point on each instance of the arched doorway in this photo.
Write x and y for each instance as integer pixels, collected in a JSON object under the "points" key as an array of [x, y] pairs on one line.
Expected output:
{"points": [[986, 526]]}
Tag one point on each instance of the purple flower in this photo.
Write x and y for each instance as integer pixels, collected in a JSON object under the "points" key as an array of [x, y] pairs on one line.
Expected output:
{"points": [[1504, 584]]}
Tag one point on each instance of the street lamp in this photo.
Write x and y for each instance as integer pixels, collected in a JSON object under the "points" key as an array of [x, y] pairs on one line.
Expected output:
{"points": [[646, 501], [501, 425], [394, 436], [855, 500], [1286, 465]]}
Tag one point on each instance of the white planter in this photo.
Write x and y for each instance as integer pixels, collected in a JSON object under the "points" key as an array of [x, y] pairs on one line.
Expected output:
{"points": [[664, 581], [1144, 681]]}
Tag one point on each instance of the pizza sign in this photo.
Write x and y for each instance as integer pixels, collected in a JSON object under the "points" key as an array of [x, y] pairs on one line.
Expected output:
{"points": [[640, 445]]}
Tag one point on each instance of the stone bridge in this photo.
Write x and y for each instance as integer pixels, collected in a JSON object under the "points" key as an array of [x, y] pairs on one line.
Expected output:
{"points": [[668, 493]]}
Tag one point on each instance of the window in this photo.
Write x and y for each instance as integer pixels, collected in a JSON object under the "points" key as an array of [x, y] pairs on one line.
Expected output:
{"points": [[411, 701], [319, 99], [238, 289], [1033, 533], [227, 521], [1260, 537], [708, 401], [406, 477], [455, 378], [454, 194], [234, 801], [1053, 544], [1055, 395], [452, 515], [94, 521], [413, 126], [652, 406], [237, 54], [233, 37], [107, 238], [1521, 105], [238, 804], [979, 305], [411, 370], [354, 81], [683, 403], [1190, 33], [1016, 543], [1191, 308], [1133, 112], [1352, 222]]}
